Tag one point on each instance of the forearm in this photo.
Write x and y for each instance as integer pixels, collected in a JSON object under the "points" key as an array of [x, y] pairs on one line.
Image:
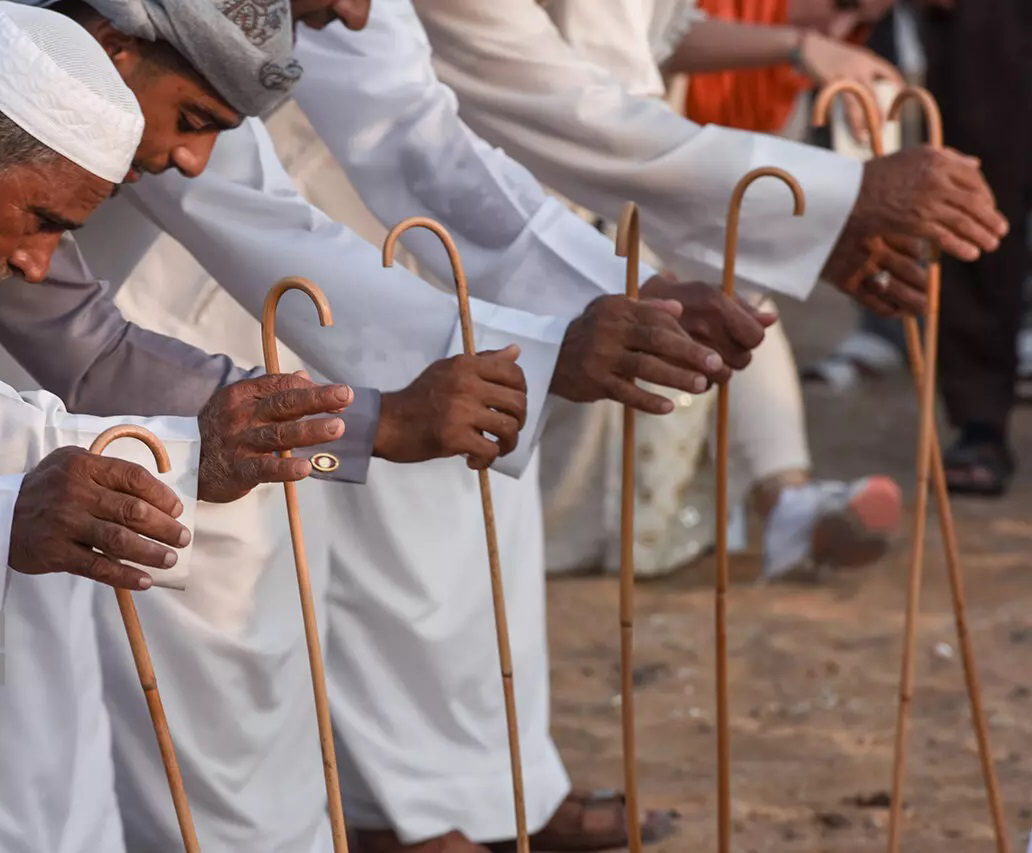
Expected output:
{"points": [[715, 45], [575, 125], [75, 342]]}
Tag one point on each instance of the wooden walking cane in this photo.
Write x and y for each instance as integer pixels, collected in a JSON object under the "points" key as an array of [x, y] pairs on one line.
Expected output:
{"points": [[141, 655], [628, 243], [315, 658], [497, 587], [723, 561], [918, 362]]}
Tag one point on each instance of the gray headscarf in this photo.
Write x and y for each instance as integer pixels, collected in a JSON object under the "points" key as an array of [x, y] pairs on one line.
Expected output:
{"points": [[241, 47]]}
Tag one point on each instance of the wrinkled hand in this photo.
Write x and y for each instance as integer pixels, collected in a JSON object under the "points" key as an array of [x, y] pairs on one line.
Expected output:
{"points": [[730, 327], [450, 407], [74, 502], [617, 340], [244, 425], [940, 195], [888, 275]]}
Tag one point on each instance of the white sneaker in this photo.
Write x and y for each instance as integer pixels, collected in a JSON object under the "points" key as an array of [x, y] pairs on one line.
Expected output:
{"points": [[830, 524]]}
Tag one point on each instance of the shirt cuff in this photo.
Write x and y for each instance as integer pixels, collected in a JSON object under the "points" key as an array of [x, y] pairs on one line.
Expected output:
{"points": [[346, 460], [776, 251], [10, 487], [539, 340], [574, 265]]}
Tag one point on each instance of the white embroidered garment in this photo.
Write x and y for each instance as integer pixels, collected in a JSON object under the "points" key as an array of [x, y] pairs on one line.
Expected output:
{"points": [[58, 84]]}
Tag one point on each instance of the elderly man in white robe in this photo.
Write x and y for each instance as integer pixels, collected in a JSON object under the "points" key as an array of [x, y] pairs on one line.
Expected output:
{"points": [[69, 128], [520, 248], [250, 653]]}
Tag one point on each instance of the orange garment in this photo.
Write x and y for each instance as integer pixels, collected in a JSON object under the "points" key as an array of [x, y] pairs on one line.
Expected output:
{"points": [[758, 99]]}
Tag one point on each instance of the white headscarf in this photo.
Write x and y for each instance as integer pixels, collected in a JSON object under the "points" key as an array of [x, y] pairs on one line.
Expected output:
{"points": [[58, 84]]}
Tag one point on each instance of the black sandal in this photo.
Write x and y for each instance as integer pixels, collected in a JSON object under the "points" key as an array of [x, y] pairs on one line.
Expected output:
{"points": [[978, 467]]}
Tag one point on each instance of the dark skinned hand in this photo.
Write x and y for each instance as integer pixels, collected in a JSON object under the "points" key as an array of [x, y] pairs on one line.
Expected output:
{"points": [[730, 327], [82, 513], [451, 408], [939, 195], [244, 425], [618, 340]]}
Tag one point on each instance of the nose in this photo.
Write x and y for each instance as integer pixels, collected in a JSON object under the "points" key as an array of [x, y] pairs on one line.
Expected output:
{"points": [[32, 257], [192, 159], [354, 13]]}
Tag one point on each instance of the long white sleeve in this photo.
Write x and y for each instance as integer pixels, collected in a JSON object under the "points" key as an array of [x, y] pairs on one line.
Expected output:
{"points": [[10, 486], [246, 224], [522, 87], [36, 424], [376, 103]]}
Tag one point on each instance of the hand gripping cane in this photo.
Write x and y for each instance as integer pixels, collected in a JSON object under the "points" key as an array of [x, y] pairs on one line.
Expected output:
{"points": [[315, 658], [929, 459], [141, 655], [497, 588], [723, 563]]}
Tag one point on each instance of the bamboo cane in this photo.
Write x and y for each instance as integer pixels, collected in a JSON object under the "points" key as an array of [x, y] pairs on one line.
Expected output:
{"points": [[494, 562], [628, 244], [141, 654], [315, 658], [723, 561], [943, 505]]}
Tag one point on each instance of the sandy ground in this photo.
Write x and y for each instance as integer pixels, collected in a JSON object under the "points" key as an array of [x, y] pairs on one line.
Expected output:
{"points": [[815, 669]]}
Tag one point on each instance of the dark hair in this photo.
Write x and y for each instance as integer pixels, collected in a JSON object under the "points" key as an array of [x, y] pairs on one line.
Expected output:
{"points": [[18, 146]]}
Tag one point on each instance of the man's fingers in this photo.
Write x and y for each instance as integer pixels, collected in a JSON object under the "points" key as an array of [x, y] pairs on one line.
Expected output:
{"points": [[951, 243], [910, 275], [301, 402], [673, 345], [97, 567], [500, 370], [120, 543], [629, 394], [670, 307], [277, 437], [503, 427], [255, 470], [510, 353], [652, 369], [132, 479], [480, 452], [137, 516], [743, 325], [505, 400]]}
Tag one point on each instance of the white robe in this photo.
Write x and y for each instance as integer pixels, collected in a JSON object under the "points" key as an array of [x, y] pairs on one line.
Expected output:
{"points": [[374, 99], [56, 773]]}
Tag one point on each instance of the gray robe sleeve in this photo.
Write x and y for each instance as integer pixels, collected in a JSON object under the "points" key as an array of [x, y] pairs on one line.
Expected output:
{"points": [[71, 337]]}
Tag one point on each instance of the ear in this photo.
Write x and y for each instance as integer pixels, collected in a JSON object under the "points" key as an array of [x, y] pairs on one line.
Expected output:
{"points": [[121, 48]]}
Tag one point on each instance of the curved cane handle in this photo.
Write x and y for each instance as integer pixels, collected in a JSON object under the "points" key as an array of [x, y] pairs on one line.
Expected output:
{"points": [[322, 306], [735, 211], [827, 95], [161, 459], [628, 244], [458, 273], [932, 113]]}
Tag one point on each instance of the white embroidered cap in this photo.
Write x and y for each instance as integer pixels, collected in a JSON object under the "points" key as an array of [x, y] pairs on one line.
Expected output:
{"points": [[58, 84]]}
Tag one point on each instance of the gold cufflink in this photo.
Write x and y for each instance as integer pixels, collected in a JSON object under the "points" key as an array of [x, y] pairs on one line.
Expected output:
{"points": [[325, 463]]}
